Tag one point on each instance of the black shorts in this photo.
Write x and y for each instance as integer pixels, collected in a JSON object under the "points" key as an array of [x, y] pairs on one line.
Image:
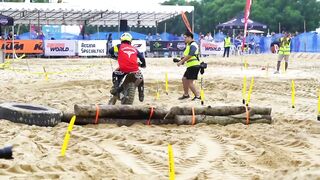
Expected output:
{"points": [[192, 73]]}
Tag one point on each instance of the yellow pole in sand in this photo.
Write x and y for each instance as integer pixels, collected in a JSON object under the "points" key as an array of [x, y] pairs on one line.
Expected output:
{"points": [[157, 91], [293, 94], [167, 88], [319, 104], [201, 91], [45, 74], [244, 89], [67, 136], [171, 163], [250, 91]]}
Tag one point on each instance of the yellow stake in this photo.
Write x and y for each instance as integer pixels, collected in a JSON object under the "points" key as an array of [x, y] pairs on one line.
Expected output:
{"points": [[319, 101], [67, 136], [202, 96], [250, 91], [45, 74], [283, 67], [245, 64], [167, 88], [244, 89], [157, 91], [201, 90], [171, 163], [293, 94]]}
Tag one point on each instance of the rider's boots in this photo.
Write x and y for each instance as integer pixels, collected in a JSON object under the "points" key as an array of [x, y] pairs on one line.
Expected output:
{"points": [[115, 82], [141, 91]]}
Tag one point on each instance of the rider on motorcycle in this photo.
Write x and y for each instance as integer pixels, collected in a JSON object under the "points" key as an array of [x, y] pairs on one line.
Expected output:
{"points": [[128, 63]]}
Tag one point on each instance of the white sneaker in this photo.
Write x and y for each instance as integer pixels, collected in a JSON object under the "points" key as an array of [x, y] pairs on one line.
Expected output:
{"points": [[277, 72]]}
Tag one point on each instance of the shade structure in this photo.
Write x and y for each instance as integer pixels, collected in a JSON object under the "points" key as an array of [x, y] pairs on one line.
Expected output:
{"points": [[106, 14], [255, 31], [238, 23]]}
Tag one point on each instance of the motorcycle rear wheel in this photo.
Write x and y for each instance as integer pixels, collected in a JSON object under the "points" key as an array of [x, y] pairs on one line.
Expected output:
{"points": [[129, 93]]}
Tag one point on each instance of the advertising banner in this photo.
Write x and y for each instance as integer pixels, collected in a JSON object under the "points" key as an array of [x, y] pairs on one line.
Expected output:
{"points": [[22, 46], [60, 48], [166, 46], [208, 47], [141, 45], [92, 48]]}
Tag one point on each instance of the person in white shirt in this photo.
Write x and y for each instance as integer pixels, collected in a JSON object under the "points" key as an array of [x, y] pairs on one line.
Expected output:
{"points": [[208, 37]]}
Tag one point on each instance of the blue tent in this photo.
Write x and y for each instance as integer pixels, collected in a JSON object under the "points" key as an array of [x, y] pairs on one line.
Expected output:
{"points": [[56, 36], [26, 36], [115, 35], [219, 37], [168, 37], [306, 42], [66, 36]]}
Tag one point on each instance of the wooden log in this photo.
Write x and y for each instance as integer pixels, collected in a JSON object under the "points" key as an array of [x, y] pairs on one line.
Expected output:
{"points": [[128, 114], [119, 111], [261, 110], [217, 111], [119, 122], [222, 120], [179, 120]]}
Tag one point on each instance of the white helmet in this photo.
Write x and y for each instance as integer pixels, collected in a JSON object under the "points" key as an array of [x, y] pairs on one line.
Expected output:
{"points": [[126, 37]]}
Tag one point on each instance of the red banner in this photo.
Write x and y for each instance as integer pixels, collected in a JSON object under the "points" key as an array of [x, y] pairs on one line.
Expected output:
{"points": [[246, 17]]}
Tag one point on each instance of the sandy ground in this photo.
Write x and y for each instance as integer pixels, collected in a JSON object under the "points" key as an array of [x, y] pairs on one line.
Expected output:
{"points": [[287, 149]]}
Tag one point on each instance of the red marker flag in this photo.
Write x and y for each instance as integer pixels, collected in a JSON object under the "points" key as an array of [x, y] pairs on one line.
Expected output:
{"points": [[246, 17], [186, 22]]}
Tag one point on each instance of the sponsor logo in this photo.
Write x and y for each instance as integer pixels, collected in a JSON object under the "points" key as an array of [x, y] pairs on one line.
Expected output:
{"points": [[129, 51], [57, 47], [23, 46], [83, 45], [3, 21], [91, 48], [157, 45], [211, 47], [137, 45], [181, 46], [92, 51]]}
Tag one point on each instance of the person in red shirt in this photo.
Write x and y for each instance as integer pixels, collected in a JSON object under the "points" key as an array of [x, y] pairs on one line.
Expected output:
{"points": [[128, 63]]}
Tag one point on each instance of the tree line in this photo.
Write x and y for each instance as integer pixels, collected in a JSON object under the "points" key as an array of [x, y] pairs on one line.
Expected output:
{"points": [[291, 14]]}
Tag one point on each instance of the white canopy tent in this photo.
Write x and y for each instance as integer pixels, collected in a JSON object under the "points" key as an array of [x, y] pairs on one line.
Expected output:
{"points": [[107, 14]]}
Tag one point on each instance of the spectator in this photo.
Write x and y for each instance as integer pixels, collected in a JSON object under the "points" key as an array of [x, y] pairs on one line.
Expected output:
{"points": [[148, 39], [41, 36], [208, 37], [86, 36], [158, 37], [10, 36], [109, 43]]}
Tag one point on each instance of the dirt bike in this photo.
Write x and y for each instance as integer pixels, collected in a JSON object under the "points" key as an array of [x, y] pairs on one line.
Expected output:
{"points": [[126, 90]]}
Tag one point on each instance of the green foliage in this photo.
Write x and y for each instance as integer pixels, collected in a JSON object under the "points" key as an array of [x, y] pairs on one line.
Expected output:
{"points": [[209, 13], [291, 14]]}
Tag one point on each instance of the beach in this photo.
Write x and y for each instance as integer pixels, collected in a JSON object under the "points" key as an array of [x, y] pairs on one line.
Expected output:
{"points": [[286, 149]]}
